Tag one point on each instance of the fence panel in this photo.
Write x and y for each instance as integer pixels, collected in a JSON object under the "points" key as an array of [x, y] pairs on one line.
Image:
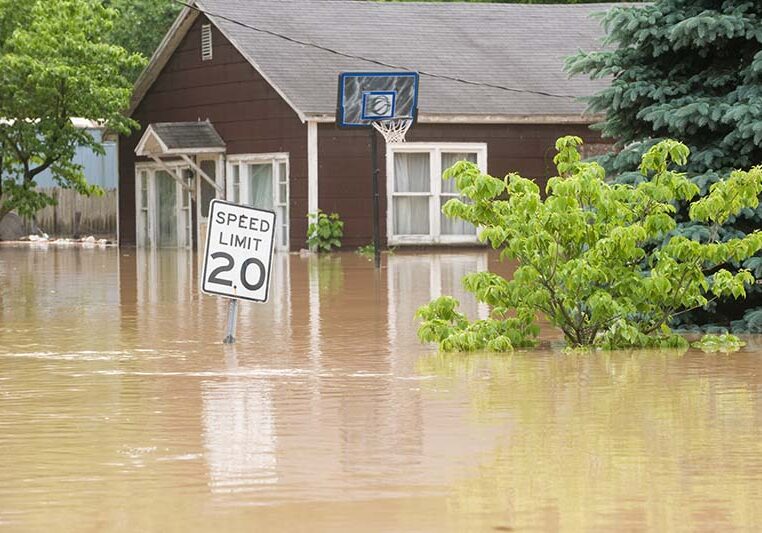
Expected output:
{"points": [[77, 215]]}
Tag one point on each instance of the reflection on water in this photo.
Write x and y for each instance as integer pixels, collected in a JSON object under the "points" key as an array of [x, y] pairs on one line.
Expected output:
{"points": [[121, 410], [239, 430]]}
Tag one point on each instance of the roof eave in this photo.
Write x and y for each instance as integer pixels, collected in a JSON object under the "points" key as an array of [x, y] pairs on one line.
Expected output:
{"points": [[433, 118]]}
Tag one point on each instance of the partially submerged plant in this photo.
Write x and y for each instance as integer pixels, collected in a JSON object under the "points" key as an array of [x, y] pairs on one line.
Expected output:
{"points": [[324, 231], [368, 251], [587, 253], [725, 343]]}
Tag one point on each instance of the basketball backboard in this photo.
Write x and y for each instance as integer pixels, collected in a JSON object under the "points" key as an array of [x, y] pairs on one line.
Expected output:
{"points": [[368, 97]]}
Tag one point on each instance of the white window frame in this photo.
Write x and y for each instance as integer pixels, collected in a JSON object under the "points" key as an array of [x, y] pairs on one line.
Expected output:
{"points": [[276, 159], [182, 212], [435, 151]]}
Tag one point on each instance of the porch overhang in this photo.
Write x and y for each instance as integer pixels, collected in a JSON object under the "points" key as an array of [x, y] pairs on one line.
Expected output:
{"points": [[181, 140], [162, 139]]}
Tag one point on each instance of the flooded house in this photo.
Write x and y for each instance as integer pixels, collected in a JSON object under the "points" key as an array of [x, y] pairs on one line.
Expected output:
{"points": [[239, 102]]}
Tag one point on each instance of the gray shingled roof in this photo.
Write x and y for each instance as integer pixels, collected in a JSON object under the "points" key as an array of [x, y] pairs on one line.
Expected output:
{"points": [[514, 45], [188, 135]]}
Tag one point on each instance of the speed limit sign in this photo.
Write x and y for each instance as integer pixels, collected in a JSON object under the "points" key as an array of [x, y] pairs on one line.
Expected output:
{"points": [[239, 251]]}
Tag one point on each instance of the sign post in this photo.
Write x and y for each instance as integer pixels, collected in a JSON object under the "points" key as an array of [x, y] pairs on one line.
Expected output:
{"points": [[238, 258]]}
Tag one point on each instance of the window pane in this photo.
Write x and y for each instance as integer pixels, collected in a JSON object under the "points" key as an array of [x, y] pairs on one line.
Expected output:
{"points": [[282, 194], [261, 186], [144, 189], [208, 193], [166, 202], [455, 226], [411, 215], [209, 168], [144, 239], [412, 173], [282, 173], [236, 184], [448, 160]]}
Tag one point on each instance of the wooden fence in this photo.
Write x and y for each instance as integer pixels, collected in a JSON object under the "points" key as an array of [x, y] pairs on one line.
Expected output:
{"points": [[77, 215]]}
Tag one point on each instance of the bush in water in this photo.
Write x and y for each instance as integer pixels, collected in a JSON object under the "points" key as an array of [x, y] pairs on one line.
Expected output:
{"points": [[601, 261], [324, 231]]}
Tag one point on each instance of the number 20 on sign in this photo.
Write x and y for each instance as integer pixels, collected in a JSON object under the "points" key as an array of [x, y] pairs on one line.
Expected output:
{"points": [[238, 258]]}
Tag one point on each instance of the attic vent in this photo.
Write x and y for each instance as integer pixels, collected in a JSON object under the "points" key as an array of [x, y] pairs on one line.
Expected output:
{"points": [[206, 42]]}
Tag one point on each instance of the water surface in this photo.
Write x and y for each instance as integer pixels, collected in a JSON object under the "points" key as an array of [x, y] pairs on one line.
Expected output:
{"points": [[120, 410]]}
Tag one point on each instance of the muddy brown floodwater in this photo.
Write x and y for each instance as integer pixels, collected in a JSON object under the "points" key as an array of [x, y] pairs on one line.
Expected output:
{"points": [[120, 410]]}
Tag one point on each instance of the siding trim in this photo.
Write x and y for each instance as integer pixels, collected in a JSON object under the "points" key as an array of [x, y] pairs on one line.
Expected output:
{"points": [[312, 166]]}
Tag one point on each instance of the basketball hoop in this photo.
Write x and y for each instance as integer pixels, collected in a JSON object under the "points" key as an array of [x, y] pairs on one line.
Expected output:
{"points": [[393, 130], [387, 102]]}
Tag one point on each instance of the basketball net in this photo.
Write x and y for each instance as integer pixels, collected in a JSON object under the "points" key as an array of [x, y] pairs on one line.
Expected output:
{"points": [[393, 130]]}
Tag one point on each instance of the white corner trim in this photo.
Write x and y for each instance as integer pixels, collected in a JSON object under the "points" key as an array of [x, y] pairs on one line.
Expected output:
{"points": [[312, 167]]}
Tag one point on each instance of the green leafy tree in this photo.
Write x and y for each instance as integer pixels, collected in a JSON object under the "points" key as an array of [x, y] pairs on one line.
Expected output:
{"points": [[54, 65], [586, 253], [687, 69], [140, 25]]}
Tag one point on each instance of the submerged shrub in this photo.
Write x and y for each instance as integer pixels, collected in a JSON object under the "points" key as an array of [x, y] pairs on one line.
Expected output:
{"points": [[324, 232], [588, 256]]}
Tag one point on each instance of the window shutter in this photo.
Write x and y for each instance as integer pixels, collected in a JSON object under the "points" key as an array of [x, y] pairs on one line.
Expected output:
{"points": [[206, 42]]}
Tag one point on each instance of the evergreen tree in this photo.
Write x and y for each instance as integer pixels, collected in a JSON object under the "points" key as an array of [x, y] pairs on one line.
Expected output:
{"points": [[690, 70]]}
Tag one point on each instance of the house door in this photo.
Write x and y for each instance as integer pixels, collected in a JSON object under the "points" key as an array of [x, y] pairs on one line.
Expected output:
{"points": [[162, 207]]}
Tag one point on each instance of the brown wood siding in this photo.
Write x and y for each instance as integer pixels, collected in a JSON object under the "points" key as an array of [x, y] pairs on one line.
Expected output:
{"points": [[344, 173], [245, 109]]}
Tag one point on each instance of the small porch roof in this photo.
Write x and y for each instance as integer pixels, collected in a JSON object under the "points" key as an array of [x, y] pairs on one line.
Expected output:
{"points": [[177, 138]]}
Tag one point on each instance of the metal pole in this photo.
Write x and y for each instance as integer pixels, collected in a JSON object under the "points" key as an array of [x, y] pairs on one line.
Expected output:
{"points": [[374, 182], [232, 319]]}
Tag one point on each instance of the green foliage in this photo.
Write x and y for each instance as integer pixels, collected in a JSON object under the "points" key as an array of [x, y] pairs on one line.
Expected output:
{"points": [[688, 69], [55, 65], [368, 251], [724, 343], [444, 325], [587, 255], [324, 231], [141, 25]]}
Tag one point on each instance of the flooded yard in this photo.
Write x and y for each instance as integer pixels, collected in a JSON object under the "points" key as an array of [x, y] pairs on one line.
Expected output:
{"points": [[121, 410]]}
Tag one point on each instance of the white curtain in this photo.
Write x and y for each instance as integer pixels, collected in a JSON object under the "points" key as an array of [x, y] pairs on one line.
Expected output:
{"points": [[412, 173], [453, 226], [261, 186]]}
